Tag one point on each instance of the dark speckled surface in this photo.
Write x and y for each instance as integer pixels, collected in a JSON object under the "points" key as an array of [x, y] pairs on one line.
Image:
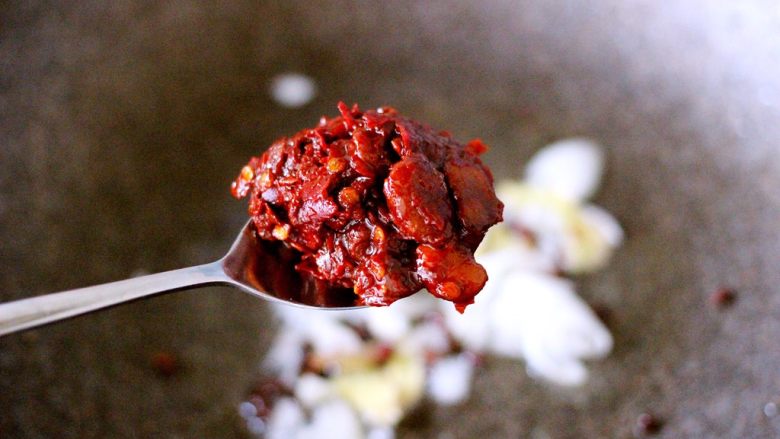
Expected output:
{"points": [[122, 124]]}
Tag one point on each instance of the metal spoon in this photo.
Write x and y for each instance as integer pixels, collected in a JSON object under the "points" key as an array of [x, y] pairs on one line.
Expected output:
{"points": [[261, 268]]}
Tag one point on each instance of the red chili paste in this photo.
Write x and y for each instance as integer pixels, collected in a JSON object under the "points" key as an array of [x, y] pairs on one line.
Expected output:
{"points": [[377, 204]]}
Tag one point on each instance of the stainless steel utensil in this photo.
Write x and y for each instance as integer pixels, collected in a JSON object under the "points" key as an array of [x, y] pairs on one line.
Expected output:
{"points": [[243, 267]]}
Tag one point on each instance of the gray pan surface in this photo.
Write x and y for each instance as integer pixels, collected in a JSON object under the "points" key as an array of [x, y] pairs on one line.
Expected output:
{"points": [[122, 124]]}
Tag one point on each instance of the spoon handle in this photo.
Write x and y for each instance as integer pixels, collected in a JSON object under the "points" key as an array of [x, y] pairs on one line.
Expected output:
{"points": [[35, 311]]}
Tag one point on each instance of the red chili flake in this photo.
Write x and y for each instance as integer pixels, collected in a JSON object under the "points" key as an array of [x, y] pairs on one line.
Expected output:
{"points": [[723, 297], [646, 425], [383, 353], [165, 364]]}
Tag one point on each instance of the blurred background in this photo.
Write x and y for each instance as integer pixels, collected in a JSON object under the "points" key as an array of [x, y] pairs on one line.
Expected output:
{"points": [[122, 124]]}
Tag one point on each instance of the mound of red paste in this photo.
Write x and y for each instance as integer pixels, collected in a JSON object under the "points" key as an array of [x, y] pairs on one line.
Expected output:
{"points": [[376, 203]]}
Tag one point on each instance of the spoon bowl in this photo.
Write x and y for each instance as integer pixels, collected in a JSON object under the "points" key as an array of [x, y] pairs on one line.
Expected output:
{"points": [[261, 268]]}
